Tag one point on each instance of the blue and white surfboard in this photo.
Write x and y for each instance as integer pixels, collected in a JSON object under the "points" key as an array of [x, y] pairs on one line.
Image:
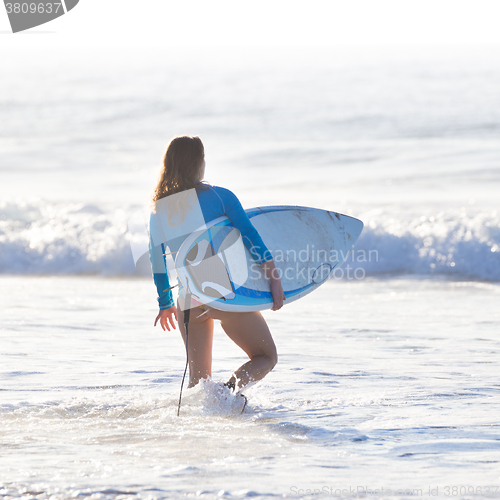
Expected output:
{"points": [[307, 245]]}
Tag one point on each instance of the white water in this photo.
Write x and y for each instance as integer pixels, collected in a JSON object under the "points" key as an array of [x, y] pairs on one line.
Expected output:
{"points": [[361, 397], [42, 237]]}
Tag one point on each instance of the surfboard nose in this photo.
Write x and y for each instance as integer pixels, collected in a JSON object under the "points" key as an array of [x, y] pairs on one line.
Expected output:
{"points": [[352, 227], [355, 229]]}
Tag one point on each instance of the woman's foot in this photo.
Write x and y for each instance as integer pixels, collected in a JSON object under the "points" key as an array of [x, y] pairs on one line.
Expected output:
{"points": [[231, 385]]}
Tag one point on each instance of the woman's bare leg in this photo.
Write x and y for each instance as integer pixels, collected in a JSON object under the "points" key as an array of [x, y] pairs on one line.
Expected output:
{"points": [[200, 339], [250, 332]]}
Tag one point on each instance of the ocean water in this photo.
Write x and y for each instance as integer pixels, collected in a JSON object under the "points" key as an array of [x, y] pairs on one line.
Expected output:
{"points": [[381, 384], [388, 373]]}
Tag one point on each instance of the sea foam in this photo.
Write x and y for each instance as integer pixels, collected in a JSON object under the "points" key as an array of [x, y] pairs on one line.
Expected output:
{"points": [[39, 237], [451, 242]]}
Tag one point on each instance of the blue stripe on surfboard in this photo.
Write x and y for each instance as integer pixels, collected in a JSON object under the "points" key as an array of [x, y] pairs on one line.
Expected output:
{"points": [[243, 291], [243, 294], [252, 301]]}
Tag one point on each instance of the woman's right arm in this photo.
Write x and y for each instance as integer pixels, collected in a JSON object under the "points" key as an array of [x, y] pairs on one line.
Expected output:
{"points": [[168, 311]]}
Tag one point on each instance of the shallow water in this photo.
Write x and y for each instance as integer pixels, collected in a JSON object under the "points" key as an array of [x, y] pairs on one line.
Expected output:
{"points": [[380, 384]]}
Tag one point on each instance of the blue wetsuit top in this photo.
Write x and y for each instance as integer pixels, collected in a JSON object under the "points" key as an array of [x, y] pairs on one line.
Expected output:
{"points": [[215, 202]]}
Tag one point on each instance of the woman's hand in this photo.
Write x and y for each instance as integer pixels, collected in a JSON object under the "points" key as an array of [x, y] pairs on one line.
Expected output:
{"points": [[276, 289], [166, 316], [278, 294]]}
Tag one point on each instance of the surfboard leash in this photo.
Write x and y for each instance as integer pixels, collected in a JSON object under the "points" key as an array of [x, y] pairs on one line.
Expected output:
{"points": [[187, 311], [244, 404]]}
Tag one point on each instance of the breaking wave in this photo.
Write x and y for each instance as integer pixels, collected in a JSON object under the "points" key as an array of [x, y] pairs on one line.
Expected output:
{"points": [[447, 243], [39, 237]]}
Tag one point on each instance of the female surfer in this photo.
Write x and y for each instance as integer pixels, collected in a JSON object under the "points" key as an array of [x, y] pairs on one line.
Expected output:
{"points": [[182, 172]]}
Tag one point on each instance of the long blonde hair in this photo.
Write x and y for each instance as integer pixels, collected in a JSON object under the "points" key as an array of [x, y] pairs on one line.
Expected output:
{"points": [[181, 171], [181, 166]]}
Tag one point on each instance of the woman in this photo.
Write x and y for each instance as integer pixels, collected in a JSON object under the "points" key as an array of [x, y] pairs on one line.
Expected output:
{"points": [[183, 170]]}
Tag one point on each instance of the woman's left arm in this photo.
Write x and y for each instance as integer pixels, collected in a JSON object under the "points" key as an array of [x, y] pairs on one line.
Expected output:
{"points": [[251, 238], [256, 246]]}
